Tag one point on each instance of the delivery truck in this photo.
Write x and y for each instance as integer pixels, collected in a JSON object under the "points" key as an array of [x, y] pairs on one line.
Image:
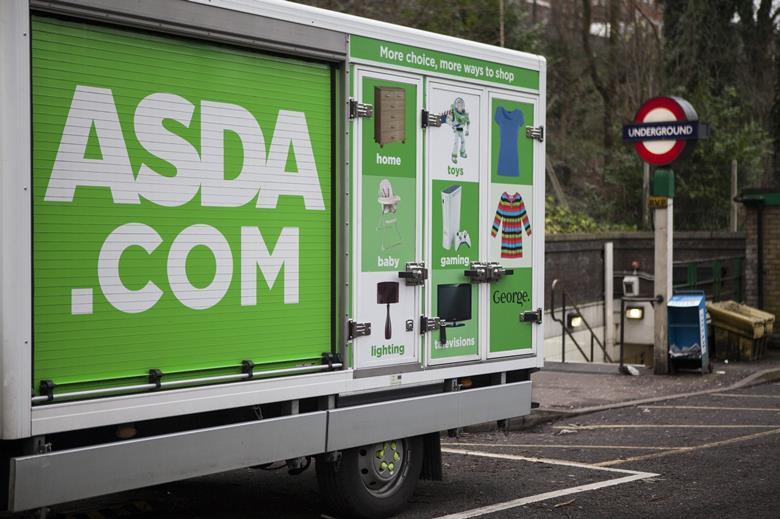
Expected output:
{"points": [[234, 232]]}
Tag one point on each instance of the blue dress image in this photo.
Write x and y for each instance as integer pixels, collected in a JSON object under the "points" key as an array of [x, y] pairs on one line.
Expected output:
{"points": [[509, 124]]}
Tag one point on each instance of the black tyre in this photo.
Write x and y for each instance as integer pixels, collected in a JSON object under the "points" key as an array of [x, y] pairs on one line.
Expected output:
{"points": [[373, 481]]}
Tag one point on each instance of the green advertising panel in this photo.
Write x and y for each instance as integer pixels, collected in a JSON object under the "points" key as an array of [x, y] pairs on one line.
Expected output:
{"points": [[454, 213], [511, 224], [389, 171], [388, 237], [509, 298], [181, 206], [449, 297], [427, 60]]}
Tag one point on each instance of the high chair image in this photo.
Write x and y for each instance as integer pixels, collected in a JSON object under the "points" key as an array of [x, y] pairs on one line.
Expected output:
{"points": [[387, 225]]}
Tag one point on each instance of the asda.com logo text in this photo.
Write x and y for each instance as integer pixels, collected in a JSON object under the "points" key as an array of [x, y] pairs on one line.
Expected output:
{"points": [[198, 172]]}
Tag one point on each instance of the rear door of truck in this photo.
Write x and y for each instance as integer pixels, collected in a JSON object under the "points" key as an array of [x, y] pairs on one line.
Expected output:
{"points": [[182, 208]]}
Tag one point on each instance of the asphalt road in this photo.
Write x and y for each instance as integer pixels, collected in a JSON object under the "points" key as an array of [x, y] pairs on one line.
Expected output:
{"points": [[711, 455]]}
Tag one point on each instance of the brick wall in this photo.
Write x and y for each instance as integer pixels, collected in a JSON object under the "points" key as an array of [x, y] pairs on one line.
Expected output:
{"points": [[751, 256], [771, 257], [577, 259]]}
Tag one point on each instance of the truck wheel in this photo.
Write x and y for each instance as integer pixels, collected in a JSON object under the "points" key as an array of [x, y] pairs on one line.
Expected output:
{"points": [[372, 481]]}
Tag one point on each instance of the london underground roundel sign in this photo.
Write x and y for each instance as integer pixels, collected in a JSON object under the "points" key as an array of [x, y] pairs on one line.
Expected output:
{"points": [[664, 129]]}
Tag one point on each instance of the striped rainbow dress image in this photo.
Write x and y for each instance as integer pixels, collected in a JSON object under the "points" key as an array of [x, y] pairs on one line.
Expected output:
{"points": [[512, 216]]}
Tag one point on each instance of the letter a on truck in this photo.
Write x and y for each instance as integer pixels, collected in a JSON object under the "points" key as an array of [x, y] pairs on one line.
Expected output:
{"points": [[238, 232]]}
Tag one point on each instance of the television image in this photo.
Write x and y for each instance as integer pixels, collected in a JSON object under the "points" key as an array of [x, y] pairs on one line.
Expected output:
{"points": [[453, 306]]}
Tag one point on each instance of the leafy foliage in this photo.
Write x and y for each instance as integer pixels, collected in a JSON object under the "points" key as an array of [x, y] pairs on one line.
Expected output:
{"points": [[604, 58], [560, 220]]}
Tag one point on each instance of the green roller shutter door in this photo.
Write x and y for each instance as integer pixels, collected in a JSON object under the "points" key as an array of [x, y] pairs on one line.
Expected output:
{"points": [[181, 206]]}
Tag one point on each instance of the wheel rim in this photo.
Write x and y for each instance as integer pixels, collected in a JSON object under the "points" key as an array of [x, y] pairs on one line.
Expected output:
{"points": [[383, 466]]}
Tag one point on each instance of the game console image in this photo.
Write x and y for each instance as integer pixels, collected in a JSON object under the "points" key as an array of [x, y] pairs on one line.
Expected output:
{"points": [[462, 238], [452, 237], [450, 215]]}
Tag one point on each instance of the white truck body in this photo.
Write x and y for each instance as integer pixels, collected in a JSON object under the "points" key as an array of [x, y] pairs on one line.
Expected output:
{"points": [[383, 197]]}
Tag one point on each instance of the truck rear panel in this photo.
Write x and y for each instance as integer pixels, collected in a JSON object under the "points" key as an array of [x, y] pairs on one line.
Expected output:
{"points": [[182, 206]]}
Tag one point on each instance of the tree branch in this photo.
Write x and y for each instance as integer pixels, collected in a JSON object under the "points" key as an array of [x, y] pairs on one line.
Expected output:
{"points": [[585, 33], [649, 21]]}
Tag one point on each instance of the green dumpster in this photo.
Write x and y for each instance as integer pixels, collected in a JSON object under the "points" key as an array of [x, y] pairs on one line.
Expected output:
{"points": [[739, 332]]}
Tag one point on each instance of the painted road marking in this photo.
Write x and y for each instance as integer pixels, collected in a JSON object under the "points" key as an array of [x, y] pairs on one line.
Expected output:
{"points": [[476, 512], [659, 426], [680, 450], [560, 446], [546, 461], [735, 395], [712, 408]]}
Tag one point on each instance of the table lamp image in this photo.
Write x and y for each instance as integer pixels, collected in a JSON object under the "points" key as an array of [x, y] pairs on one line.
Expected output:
{"points": [[387, 294]]}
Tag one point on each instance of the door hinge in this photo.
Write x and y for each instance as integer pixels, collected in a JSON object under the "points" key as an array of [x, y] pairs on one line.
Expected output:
{"points": [[41, 446], [415, 274], [429, 119], [429, 324], [532, 316], [535, 132], [356, 329], [47, 389], [330, 359], [360, 110]]}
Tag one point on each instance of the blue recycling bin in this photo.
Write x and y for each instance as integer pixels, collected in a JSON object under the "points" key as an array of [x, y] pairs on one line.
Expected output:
{"points": [[687, 314]]}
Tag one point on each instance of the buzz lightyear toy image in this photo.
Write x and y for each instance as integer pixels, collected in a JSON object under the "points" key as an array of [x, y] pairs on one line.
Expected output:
{"points": [[458, 118]]}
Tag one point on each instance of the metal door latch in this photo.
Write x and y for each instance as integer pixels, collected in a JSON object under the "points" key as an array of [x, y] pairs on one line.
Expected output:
{"points": [[477, 272], [360, 110], [429, 324], [497, 272], [532, 316], [429, 119], [358, 329], [486, 272], [535, 132], [415, 274]]}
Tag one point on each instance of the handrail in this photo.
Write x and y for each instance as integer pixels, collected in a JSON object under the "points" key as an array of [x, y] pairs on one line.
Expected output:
{"points": [[708, 260], [565, 329], [717, 281]]}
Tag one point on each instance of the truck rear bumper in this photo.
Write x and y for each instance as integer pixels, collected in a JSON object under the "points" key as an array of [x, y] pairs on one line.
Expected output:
{"points": [[61, 476]]}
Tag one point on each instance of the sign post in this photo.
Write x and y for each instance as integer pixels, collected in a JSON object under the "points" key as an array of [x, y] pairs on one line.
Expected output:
{"points": [[663, 218], [664, 129]]}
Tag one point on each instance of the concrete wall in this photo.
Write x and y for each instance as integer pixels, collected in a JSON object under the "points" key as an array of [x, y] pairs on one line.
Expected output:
{"points": [[771, 257], [577, 259]]}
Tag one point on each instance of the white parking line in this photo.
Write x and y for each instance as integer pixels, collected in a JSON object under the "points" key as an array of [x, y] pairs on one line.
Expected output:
{"points": [[632, 475], [712, 408], [736, 395], [680, 450], [560, 446], [661, 426], [476, 512]]}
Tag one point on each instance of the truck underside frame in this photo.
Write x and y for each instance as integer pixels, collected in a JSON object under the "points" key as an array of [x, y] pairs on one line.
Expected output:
{"points": [[40, 480]]}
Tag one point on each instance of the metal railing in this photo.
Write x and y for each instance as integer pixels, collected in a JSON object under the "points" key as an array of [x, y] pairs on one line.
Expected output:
{"points": [[565, 330], [720, 277]]}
